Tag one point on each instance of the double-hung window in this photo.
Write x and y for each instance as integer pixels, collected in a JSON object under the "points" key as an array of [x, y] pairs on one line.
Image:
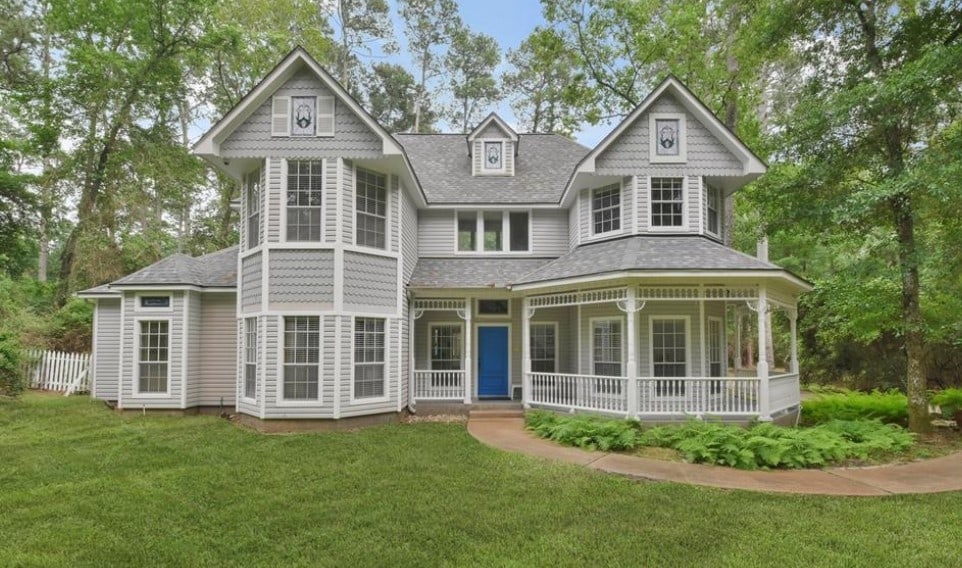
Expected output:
{"points": [[667, 202], [304, 186], [606, 209], [445, 347], [713, 207], [368, 357], [302, 339], [250, 358], [669, 354], [371, 204], [154, 357], [493, 231], [606, 347], [252, 181], [543, 347]]}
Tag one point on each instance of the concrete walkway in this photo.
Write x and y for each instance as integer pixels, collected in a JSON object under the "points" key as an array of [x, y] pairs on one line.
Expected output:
{"points": [[930, 476]]}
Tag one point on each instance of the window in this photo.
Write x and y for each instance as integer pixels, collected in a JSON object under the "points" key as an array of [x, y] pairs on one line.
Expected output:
{"points": [[302, 336], [494, 307], [368, 358], [371, 189], [154, 357], [303, 116], [543, 347], [488, 229], [667, 202], [606, 209], [154, 301], [445, 347], [304, 200], [250, 358], [467, 228], [713, 201], [667, 140], [493, 156], [669, 354], [606, 347], [253, 183], [716, 354], [518, 226]]}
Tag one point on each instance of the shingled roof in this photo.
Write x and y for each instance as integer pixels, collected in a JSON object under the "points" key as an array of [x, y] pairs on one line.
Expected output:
{"points": [[472, 272], [647, 253], [443, 167], [214, 270]]}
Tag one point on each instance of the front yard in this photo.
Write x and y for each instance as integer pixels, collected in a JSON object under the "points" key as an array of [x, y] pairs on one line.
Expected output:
{"points": [[80, 485]]}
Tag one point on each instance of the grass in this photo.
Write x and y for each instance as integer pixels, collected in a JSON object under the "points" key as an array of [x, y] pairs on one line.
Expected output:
{"points": [[82, 486]]}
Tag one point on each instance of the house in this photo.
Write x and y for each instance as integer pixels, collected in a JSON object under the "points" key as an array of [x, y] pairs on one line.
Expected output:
{"points": [[380, 273]]}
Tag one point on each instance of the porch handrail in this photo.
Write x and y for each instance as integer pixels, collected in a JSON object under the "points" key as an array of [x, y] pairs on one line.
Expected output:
{"points": [[435, 384], [580, 392], [784, 391]]}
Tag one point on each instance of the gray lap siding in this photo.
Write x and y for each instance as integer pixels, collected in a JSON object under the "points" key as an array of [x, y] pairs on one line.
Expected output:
{"points": [[129, 397], [106, 349]]}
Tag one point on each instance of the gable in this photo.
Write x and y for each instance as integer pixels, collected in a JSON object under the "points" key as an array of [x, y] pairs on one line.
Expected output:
{"points": [[630, 152], [352, 137], [494, 130]]}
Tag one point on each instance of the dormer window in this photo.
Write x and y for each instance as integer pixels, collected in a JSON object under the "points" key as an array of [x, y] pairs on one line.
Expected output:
{"points": [[494, 156]]}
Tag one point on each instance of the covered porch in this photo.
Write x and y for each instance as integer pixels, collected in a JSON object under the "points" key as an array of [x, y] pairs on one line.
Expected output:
{"points": [[652, 352]]}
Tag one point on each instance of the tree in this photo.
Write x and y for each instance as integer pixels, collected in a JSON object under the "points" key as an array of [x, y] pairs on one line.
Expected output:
{"points": [[470, 65], [428, 25], [391, 96], [880, 88], [360, 24], [543, 73]]}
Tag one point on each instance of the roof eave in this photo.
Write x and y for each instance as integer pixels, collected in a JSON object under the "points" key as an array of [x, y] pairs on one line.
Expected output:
{"points": [[778, 273]]}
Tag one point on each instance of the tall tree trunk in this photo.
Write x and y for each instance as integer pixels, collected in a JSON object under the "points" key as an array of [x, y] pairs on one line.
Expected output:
{"points": [[183, 229], [46, 183], [419, 96]]}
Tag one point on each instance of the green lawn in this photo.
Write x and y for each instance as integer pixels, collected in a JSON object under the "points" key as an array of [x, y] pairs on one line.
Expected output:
{"points": [[80, 485]]}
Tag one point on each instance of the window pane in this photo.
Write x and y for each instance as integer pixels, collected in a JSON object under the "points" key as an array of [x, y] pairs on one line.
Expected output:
{"points": [[371, 209], [606, 347], [154, 353], [301, 357], [667, 202], [519, 230], [368, 357], [467, 227], [493, 226], [304, 195], [606, 209], [543, 357], [493, 307], [446, 347]]}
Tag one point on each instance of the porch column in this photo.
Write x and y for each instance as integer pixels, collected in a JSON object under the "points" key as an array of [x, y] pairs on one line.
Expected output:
{"points": [[792, 320], [526, 353], [468, 342], [764, 403], [632, 363]]}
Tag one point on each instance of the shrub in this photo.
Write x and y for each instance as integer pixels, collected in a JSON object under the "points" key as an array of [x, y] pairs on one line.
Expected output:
{"points": [[12, 381], [889, 406], [949, 401], [586, 432]]}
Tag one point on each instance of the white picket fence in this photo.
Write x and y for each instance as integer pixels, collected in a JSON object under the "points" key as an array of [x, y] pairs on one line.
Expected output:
{"points": [[58, 371]]}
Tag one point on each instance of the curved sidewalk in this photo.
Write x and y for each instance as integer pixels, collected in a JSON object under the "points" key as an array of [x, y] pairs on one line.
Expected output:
{"points": [[930, 476]]}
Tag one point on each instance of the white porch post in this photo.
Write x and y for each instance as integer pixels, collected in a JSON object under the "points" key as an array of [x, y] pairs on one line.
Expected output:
{"points": [[792, 320], [468, 343], [632, 354], [526, 354], [764, 403]]}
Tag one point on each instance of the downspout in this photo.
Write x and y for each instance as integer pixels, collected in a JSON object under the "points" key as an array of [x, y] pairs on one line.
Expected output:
{"points": [[410, 362]]}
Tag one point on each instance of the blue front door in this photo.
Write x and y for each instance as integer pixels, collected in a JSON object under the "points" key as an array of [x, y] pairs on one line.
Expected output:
{"points": [[492, 361]]}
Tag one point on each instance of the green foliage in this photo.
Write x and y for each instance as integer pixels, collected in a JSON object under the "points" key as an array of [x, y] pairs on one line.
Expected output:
{"points": [[890, 407], [588, 432], [949, 400], [764, 445], [12, 381]]}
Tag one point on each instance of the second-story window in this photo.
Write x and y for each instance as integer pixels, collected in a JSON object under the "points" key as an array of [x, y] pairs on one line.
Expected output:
{"points": [[667, 202], [713, 203], [606, 209], [253, 184], [493, 231], [371, 224], [304, 179]]}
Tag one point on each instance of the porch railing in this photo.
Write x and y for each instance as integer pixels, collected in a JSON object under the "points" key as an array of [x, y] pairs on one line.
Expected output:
{"points": [[784, 392], [438, 385], [580, 392]]}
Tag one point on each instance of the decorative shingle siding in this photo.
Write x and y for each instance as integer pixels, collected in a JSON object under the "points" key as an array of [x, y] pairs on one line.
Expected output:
{"points": [[629, 153], [216, 371], [352, 138], [106, 349], [370, 280], [492, 131], [251, 281], [301, 277]]}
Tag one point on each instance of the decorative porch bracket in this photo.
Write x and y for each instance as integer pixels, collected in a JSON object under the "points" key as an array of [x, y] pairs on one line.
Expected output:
{"points": [[462, 307]]}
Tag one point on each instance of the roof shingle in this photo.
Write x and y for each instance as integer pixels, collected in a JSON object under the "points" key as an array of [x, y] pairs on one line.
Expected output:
{"points": [[472, 272]]}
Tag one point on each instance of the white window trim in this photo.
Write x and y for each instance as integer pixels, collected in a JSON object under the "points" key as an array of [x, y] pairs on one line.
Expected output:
{"points": [[135, 388], [387, 213], [621, 211], [485, 171], [435, 324], [282, 344], [477, 309], [683, 228], [387, 358], [505, 233], [653, 156], [708, 189], [257, 363], [553, 325], [624, 344], [283, 184], [651, 354], [158, 310]]}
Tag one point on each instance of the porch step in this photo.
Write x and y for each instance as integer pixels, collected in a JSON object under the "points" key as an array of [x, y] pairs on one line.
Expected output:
{"points": [[495, 413]]}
